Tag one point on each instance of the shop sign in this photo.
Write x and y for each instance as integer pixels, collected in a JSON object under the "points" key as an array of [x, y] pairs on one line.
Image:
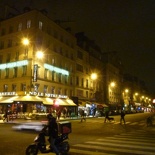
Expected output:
{"points": [[48, 95], [35, 73], [7, 93]]}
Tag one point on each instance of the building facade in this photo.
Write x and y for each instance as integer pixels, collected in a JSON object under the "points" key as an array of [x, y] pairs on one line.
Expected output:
{"points": [[40, 58]]}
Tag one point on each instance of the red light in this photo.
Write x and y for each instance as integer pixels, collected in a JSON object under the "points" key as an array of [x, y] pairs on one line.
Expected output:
{"points": [[56, 103]]}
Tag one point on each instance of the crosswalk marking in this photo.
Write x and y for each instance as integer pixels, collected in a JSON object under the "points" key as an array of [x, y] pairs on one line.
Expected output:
{"points": [[87, 152], [137, 142], [111, 139], [141, 123]]}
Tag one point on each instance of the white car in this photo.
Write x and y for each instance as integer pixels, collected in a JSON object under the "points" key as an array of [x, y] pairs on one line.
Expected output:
{"points": [[37, 126]]}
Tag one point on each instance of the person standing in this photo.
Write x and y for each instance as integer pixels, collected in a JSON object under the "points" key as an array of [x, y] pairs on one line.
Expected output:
{"points": [[69, 112], [106, 116], [83, 115], [58, 114], [122, 117], [53, 132]]}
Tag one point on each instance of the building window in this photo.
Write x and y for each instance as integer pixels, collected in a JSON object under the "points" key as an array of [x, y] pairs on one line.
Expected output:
{"points": [[14, 87], [82, 82], [26, 53], [79, 67], [9, 43], [55, 34], [77, 80], [15, 72], [80, 93], [5, 87], [53, 61], [17, 56], [8, 57], [66, 79], [28, 24], [6, 72], [71, 92], [36, 87], [39, 40], [53, 90], [71, 68], [45, 89], [19, 26], [3, 32], [86, 94], [60, 77], [80, 55], [10, 29], [45, 73], [24, 70], [1, 44], [23, 87], [65, 92], [53, 75], [86, 83], [1, 59], [71, 80], [40, 25], [59, 91]]}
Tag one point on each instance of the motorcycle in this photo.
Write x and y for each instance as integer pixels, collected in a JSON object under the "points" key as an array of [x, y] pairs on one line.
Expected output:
{"points": [[40, 144]]}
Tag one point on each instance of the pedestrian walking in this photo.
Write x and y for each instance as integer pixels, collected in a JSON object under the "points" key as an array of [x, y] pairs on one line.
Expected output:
{"points": [[5, 116], [64, 112], [69, 112], [58, 114], [122, 117], [83, 115], [106, 116], [149, 121]]}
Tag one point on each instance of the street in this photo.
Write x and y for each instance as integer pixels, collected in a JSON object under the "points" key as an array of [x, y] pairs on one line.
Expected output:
{"points": [[90, 137]]}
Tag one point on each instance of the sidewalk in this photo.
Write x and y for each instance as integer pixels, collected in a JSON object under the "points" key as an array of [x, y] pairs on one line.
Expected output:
{"points": [[22, 120]]}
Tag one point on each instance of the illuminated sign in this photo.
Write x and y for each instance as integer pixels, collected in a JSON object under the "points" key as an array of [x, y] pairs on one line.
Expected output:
{"points": [[14, 64], [7, 93], [48, 95], [35, 73], [56, 69]]}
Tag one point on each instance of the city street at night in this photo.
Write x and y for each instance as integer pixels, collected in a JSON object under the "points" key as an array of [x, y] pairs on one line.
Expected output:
{"points": [[90, 137]]}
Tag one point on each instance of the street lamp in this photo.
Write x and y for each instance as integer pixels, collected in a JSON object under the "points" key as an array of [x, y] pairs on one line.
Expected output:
{"points": [[126, 90], [112, 84], [40, 54], [93, 76], [25, 41]]}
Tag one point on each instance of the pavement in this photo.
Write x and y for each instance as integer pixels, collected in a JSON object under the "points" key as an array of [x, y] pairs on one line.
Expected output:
{"points": [[18, 120]]}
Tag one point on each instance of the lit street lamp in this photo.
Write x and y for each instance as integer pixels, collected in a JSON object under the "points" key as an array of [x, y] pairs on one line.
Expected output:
{"points": [[25, 41], [93, 76]]}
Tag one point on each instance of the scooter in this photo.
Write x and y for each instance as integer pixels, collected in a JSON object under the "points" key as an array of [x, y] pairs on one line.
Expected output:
{"points": [[40, 144]]}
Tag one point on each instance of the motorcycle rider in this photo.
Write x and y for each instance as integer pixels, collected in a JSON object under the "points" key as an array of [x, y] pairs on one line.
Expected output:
{"points": [[53, 132]]}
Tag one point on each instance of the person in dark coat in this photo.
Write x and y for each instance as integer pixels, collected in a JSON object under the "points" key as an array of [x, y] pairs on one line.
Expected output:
{"points": [[58, 114], [106, 116], [53, 132], [83, 115], [122, 117]]}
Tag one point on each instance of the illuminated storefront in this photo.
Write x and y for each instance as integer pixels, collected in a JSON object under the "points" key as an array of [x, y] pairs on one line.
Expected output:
{"points": [[32, 102]]}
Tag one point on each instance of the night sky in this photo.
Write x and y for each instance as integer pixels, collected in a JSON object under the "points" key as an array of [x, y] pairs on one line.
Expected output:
{"points": [[125, 26]]}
